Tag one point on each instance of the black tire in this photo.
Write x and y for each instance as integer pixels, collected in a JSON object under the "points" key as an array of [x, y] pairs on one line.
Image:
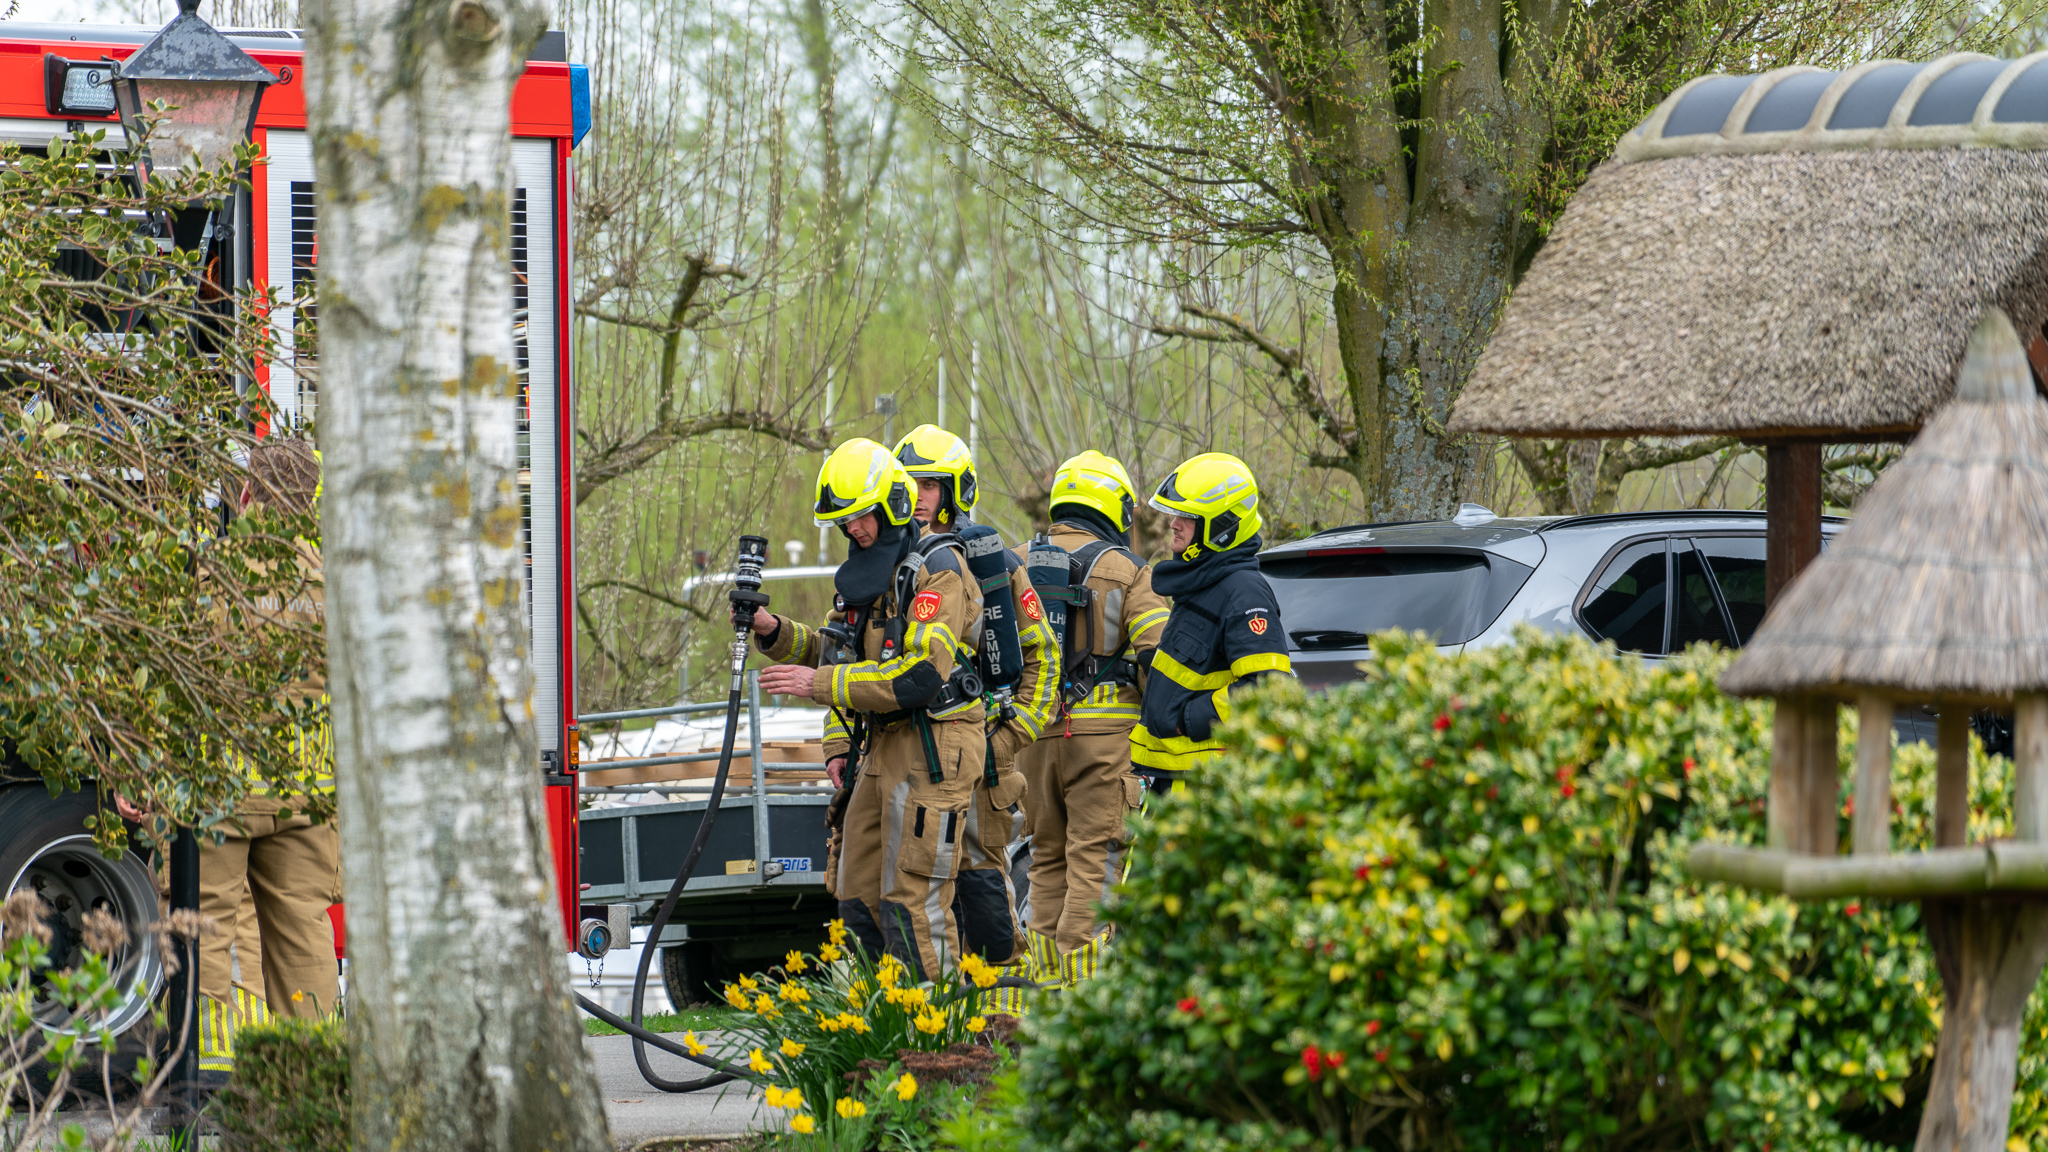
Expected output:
{"points": [[1020, 877], [691, 973], [45, 845]]}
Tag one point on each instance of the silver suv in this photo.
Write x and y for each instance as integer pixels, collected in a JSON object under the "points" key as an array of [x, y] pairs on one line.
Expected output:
{"points": [[1653, 582]]}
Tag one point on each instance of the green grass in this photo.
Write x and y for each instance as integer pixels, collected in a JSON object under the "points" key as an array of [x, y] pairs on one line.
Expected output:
{"points": [[688, 1020]]}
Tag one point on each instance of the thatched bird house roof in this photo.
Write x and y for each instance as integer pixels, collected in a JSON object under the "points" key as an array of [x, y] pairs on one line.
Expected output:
{"points": [[1799, 254], [1938, 589]]}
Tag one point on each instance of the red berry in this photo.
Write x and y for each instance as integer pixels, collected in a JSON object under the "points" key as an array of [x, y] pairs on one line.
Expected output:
{"points": [[1380, 1055], [1442, 722], [1312, 1059], [1429, 761], [1372, 1027], [1493, 793], [1852, 909], [1189, 1006], [1689, 766], [1849, 809], [1363, 871], [1334, 1059], [1568, 791]]}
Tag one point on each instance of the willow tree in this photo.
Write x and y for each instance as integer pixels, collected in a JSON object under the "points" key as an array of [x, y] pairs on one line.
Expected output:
{"points": [[1409, 154], [462, 1034]]}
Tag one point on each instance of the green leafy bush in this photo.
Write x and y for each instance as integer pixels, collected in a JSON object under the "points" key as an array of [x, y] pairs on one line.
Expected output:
{"points": [[289, 1092], [1447, 907]]}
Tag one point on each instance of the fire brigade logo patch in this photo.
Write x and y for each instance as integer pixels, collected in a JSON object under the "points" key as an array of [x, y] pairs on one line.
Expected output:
{"points": [[925, 606], [1031, 607], [1257, 625]]}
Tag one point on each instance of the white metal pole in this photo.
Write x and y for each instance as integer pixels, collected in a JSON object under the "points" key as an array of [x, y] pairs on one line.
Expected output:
{"points": [[942, 390], [974, 403], [824, 537]]}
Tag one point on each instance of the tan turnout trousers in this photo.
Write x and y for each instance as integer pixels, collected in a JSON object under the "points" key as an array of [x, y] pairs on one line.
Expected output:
{"points": [[1080, 791], [905, 836], [292, 870]]}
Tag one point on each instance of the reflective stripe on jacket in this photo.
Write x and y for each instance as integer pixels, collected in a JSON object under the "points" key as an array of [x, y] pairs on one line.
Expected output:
{"points": [[1216, 638]]}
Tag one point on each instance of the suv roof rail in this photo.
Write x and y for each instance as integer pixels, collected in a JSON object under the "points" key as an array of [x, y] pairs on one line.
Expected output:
{"points": [[1667, 514], [1375, 524]]}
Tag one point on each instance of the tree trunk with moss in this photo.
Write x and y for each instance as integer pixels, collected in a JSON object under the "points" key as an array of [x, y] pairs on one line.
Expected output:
{"points": [[462, 1031]]}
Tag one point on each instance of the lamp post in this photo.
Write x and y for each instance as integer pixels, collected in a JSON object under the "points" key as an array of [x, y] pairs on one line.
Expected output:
{"points": [[211, 90], [187, 98]]}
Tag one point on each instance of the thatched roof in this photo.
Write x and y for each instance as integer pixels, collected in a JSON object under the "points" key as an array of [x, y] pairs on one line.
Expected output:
{"points": [[1938, 589], [1797, 254]]}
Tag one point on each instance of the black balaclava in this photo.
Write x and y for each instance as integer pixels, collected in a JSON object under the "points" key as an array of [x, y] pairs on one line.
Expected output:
{"points": [[1083, 517], [865, 575]]}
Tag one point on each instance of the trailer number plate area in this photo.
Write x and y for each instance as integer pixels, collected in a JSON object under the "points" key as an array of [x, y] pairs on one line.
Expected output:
{"points": [[794, 863]]}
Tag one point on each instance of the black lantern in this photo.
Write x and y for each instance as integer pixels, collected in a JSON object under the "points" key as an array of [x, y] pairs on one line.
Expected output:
{"points": [[212, 87]]}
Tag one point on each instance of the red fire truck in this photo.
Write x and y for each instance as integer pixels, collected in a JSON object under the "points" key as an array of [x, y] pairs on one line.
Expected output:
{"points": [[43, 839]]}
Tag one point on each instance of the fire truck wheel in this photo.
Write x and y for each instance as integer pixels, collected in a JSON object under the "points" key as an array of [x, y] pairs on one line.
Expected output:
{"points": [[45, 847]]}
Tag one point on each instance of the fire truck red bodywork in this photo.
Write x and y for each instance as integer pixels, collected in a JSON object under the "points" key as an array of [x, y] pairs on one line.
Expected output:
{"points": [[543, 112]]}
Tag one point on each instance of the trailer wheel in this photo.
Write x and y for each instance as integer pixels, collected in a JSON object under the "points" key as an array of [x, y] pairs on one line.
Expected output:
{"points": [[45, 847], [691, 973]]}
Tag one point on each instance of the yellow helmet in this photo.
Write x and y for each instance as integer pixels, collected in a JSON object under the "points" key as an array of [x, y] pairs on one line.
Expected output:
{"points": [[1217, 489], [1093, 480], [931, 452], [860, 475]]}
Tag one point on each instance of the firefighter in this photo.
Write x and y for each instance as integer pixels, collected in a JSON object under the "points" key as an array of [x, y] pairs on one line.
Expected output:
{"points": [[288, 866], [1080, 785], [946, 493], [905, 737], [1225, 630]]}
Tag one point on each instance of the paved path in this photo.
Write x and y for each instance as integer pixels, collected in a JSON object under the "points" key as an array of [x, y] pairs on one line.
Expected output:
{"points": [[639, 1112]]}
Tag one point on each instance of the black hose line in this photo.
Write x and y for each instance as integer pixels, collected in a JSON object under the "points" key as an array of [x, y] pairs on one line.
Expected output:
{"points": [[728, 1072]]}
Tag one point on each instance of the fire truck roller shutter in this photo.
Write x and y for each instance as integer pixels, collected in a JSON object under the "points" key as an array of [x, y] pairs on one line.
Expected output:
{"points": [[289, 264]]}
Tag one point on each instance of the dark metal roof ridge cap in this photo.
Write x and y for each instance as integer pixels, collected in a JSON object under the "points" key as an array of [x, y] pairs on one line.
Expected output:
{"points": [[1646, 141]]}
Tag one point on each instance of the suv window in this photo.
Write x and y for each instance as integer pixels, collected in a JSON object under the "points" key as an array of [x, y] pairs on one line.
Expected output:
{"points": [[1696, 614], [1737, 564], [1338, 597], [1626, 603]]}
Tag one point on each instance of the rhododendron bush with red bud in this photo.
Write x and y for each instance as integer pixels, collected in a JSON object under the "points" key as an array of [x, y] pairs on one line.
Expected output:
{"points": [[1447, 907]]}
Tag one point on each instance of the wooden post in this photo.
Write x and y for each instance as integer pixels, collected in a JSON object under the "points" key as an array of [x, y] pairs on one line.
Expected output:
{"points": [[2030, 767], [1792, 500], [1786, 814], [1990, 953], [1952, 778], [1823, 787], [1871, 826]]}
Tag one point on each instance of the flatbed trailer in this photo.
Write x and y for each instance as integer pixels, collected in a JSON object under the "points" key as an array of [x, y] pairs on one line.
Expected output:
{"points": [[759, 890]]}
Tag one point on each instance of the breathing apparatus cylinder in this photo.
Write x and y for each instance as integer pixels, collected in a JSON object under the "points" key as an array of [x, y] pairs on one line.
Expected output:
{"points": [[1002, 654]]}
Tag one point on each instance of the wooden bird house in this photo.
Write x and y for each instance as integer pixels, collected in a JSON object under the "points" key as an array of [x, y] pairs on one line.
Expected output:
{"points": [[1937, 592]]}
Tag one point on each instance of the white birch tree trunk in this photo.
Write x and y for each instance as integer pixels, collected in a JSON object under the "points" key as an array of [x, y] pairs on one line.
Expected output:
{"points": [[462, 1031]]}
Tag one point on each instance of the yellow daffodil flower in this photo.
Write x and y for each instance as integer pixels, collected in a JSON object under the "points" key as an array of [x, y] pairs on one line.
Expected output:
{"points": [[794, 993], [791, 1048], [759, 1063], [692, 1045], [735, 997], [849, 1108], [837, 930], [794, 961], [793, 1099], [858, 1024], [976, 1023], [774, 1095], [829, 953], [930, 1025], [802, 1124], [905, 1087], [749, 983], [764, 1005]]}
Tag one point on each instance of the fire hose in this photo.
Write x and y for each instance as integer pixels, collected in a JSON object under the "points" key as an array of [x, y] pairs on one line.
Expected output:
{"points": [[745, 597]]}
